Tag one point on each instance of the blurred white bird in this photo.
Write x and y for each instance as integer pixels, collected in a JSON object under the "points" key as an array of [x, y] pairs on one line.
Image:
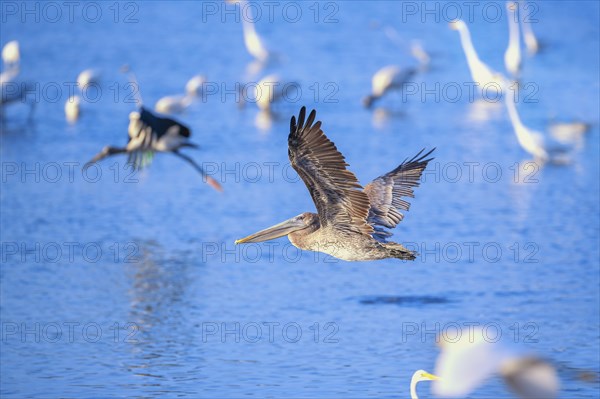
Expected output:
{"points": [[72, 108], [195, 85], [387, 79], [568, 132], [88, 77], [416, 48], [11, 55], [173, 104], [483, 75], [532, 141], [418, 376], [417, 51], [531, 41], [176, 104], [464, 365], [12, 88], [512, 55], [273, 89], [253, 42]]}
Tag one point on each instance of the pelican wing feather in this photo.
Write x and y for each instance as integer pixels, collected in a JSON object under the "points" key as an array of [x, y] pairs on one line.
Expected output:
{"points": [[335, 190], [386, 194]]}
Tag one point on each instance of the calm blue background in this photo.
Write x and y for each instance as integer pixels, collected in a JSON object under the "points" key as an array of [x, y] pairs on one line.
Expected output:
{"points": [[168, 264]]}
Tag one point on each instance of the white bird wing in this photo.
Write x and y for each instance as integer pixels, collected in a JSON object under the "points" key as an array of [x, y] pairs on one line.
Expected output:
{"points": [[463, 368], [531, 377]]}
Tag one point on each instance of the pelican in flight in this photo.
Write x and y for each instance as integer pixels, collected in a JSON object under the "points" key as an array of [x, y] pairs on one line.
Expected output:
{"points": [[387, 79], [512, 56], [148, 134], [466, 363], [532, 141], [481, 74], [350, 223], [418, 376]]}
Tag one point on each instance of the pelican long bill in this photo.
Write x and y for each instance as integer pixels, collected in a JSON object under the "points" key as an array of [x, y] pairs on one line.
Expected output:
{"points": [[273, 232]]}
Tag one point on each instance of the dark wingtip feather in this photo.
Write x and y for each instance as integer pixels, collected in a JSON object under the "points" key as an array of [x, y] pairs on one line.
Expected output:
{"points": [[293, 124], [311, 118], [301, 118], [426, 155]]}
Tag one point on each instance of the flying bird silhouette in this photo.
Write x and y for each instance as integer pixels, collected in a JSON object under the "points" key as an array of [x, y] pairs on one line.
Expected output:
{"points": [[351, 222], [149, 133]]}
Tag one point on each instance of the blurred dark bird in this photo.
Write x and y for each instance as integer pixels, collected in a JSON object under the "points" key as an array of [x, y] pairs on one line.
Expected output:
{"points": [[149, 133], [351, 221]]}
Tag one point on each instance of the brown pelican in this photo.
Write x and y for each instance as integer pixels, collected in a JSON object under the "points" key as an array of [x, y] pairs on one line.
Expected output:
{"points": [[351, 221], [148, 134]]}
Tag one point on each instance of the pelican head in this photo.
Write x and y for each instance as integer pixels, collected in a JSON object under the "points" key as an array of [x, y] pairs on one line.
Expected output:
{"points": [[512, 6], [418, 376], [302, 224]]}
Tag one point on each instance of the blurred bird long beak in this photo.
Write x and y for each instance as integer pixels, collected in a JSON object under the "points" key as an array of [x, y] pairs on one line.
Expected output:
{"points": [[273, 232], [429, 376]]}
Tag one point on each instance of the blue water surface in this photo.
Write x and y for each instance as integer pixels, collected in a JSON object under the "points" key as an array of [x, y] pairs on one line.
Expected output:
{"points": [[129, 285]]}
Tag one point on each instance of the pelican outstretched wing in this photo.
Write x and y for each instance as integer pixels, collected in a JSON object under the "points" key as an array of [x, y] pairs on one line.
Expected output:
{"points": [[335, 190], [385, 194]]}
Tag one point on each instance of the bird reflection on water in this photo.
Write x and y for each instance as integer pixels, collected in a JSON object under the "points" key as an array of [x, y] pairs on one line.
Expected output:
{"points": [[159, 281]]}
